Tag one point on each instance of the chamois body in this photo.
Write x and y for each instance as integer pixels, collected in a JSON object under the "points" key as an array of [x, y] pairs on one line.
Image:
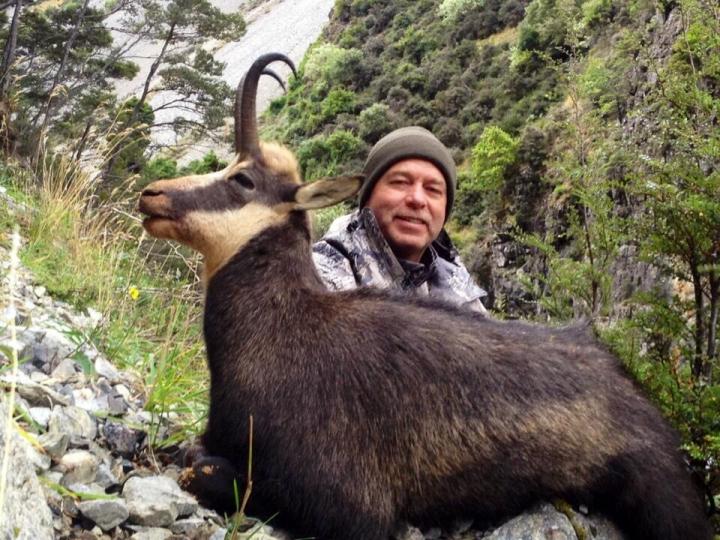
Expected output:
{"points": [[370, 410]]}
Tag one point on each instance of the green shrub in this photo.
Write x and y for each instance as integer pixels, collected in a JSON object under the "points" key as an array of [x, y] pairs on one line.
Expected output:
{"points": [[451, 10], [160, 168], [354, 35], [411, 77], [338, 101], [334, 65], [209, 163], [596, 12], [344, 146], [491, 156], [312, 156], [375, 121]]}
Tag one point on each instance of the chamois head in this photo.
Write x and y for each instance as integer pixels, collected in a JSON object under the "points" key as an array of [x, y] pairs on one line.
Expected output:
{"points": [[217, 213]]}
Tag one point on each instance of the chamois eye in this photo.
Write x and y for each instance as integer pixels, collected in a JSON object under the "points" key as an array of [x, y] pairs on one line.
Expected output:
{"points": [[243, 180]]}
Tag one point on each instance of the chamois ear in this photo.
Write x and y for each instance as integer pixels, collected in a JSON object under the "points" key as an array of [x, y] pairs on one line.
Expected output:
{"points": [[326, 192]]}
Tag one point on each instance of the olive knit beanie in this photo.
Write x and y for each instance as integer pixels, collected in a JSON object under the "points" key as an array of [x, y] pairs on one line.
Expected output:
{"points": [[406, 143]]}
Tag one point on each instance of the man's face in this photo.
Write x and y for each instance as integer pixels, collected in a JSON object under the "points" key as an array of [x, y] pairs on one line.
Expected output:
{"points": [[409, 204]]}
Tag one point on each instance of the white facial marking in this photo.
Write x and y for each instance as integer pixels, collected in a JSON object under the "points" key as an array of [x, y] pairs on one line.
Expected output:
{"points": [[229, 231]]}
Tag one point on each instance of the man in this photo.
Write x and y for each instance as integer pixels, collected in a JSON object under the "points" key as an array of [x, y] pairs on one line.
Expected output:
{"points": [[396, 240]]}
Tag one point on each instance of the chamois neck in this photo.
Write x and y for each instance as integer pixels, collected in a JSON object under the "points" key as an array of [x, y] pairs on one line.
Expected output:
{"points": [[277, 259]]}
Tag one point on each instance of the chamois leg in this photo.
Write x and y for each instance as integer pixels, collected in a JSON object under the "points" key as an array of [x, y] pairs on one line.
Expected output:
{"points": [[656, 500], [211, 479]]}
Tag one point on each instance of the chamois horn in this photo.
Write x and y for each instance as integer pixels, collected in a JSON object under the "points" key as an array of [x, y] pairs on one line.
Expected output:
{"points": [[246, 135]]}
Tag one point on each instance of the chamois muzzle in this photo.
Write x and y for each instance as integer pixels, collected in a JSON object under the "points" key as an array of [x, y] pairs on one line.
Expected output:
{"points": [[247, 144]]}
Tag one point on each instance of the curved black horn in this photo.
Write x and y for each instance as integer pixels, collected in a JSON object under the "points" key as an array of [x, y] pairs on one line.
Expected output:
{"points": [[275, 76], [246, 136]]}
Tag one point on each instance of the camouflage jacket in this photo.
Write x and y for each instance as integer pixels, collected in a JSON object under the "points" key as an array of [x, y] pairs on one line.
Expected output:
{"points": [[353, 253]]}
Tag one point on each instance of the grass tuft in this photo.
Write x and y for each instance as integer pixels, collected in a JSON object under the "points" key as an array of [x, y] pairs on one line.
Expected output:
{"points": [[91, 252]]}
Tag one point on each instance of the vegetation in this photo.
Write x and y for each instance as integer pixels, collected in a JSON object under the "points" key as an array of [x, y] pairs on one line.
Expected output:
{"points": [[93, 255]]}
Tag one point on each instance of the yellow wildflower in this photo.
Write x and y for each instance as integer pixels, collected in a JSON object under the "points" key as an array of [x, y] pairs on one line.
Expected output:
{"points": [[134, 292]]}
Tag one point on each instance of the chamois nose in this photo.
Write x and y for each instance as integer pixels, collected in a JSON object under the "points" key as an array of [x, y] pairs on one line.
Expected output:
{"points": [[150, 192]]}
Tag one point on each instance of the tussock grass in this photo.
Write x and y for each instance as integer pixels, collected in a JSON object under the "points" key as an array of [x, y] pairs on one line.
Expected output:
{"points": [[506, 36], [92, 252]]}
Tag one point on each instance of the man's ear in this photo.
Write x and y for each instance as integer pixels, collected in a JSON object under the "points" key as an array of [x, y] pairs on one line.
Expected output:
{"points": [[326, 192]]}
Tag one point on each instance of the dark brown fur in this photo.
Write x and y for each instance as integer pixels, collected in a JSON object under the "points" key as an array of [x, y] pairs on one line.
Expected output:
{"points": [[371, 410]]}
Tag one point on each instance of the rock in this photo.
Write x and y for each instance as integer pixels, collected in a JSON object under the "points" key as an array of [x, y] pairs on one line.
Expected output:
{"points": [[46, 347], [37, 395], [152, 533], [39, 460], [66, 370], [54, 443], [117, 406], [41, 415], [105, 369], [193, 527], [79, 466], [106, 513], [409, 533], [121, 439], [220, 534], [156, 501], [547, 523], [86, 399], [24, 509], [105, 476], [73, 421]]}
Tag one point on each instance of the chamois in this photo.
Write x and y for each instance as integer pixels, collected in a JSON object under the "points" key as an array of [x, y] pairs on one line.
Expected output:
{"points": [[372, 410]]}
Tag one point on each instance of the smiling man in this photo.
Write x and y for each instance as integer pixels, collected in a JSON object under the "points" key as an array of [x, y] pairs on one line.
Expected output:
{"points": [[396, 240]]}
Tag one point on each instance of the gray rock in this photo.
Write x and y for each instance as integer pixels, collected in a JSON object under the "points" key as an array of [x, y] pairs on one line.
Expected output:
{"points": [[39, 377], [156, 501], [105, 369], [54, 443], [106, 513], [25, 511], [192, 527], [123, 391], [37, 395], [79, 466], [121, 439], [46, 347], [258, 532], [41, 415], [545, 523], [152, 533], [66, 370], [105, 476], [40, 460], [219, 534], [117, 405], [87, 489], [73, 421], [86, 399], [409, 533]]}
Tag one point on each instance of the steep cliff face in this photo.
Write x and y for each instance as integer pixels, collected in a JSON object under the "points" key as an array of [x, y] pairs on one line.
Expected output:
{"points": [[632, 73]]}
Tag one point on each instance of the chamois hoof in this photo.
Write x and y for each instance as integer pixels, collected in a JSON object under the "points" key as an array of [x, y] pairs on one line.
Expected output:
{"points": [[193, 454], [211, 480]]}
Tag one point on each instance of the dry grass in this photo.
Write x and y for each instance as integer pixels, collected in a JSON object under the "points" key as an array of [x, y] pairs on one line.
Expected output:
{"points": [[93, 253], [507, 36]]}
